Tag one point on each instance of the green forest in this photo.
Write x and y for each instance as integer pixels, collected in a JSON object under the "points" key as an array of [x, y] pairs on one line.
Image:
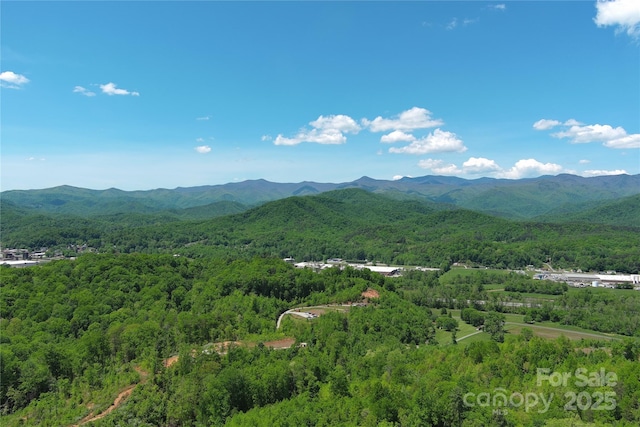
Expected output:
{"points": [[75, 333], [173, 319], [352, 224]]}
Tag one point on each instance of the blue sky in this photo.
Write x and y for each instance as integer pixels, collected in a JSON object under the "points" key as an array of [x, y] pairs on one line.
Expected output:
{"points": [[142, 95]]}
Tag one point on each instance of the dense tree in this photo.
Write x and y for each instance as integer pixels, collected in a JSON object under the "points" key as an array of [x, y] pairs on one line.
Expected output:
{"points": [[75, 333], [494, 325]]}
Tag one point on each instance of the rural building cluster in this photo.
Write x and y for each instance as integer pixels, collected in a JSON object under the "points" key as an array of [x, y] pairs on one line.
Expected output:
{"points": [[385, 270], [582, 280]]}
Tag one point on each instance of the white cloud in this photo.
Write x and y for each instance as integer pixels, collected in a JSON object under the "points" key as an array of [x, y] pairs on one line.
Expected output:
{"points": [[447, 170], [325, 137], [414, 118], [199, 139], [498, 6], [591, 133], [453, 24], [11, 80], [397, 136], [627, 141], [203, 149], [572, 122], [326, 130], [439, 167], [579, 133], [397, 177], [480, 165], [468, 21], [584, 161], [266, 138], [203, 118], [437, 142], [529, 168], [622, 14], [604, 172], [338, 122], [473, 166], [111, 89], [83, 91], [544, 124], [430, 163]]}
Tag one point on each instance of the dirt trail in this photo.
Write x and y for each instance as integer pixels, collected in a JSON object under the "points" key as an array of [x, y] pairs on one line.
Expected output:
{"points": [[220, 348], [122, 396]]}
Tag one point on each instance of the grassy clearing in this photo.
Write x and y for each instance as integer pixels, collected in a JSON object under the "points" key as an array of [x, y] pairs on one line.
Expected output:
{"points": [[553, 330], [483, 336], [499, 289], [514, 326], [444, 338]]}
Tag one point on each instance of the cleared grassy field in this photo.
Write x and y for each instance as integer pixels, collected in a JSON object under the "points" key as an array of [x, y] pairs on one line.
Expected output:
{"points": [[466, 333], [522, 296], [538, 297], [514, 324], [552, 330], [482, 336]]}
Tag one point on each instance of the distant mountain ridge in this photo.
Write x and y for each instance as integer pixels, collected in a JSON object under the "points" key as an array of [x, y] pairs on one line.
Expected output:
{"points": [[516, 199]]}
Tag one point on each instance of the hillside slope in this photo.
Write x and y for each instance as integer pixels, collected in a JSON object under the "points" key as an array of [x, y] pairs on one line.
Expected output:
{"points": [[624, 212]]}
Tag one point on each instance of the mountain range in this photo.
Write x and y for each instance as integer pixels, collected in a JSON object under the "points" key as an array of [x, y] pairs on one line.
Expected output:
{"points": [[546, 198]]}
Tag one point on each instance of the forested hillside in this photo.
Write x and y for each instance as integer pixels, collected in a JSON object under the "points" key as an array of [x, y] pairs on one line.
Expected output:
{"points": [[625, 212], [352, 224], [77, 333]]}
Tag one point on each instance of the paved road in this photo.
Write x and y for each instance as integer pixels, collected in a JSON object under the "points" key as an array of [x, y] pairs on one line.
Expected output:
{"points": [[470, 335], [299, 310]]}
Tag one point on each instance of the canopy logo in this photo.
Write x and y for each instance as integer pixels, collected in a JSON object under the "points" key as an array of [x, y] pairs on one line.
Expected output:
{"points": [[581, 378], [597, 400]]}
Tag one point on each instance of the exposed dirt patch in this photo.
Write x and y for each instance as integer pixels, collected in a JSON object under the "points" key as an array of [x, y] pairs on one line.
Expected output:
{"points": [[122, 396], [370, 293], [280, 344], [170, 361], [223, 347]]}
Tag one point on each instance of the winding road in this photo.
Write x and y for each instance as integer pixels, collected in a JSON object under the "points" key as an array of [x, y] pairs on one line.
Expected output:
{"points": [[303, 311]]}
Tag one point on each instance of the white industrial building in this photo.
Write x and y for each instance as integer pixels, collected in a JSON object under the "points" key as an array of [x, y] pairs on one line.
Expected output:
{"points": [[593, 279]]}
